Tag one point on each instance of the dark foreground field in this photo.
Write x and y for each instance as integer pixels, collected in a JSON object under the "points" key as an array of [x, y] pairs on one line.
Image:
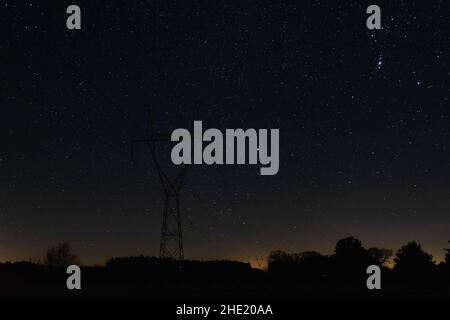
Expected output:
{"points": [[152, 278]]}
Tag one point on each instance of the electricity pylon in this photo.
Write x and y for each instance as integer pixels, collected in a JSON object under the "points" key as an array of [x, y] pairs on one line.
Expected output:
{"points": [[171, 244]]}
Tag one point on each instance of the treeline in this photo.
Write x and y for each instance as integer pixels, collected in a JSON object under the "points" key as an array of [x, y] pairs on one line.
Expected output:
{"points": [[411, 268], [187, 272], [410, 272]]}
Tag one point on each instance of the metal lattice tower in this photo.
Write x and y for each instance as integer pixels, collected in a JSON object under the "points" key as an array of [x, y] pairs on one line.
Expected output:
{"points": [[171, 245]]}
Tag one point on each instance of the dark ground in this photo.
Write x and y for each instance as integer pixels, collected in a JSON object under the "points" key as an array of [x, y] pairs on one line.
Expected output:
{"points": [[151, 278]]}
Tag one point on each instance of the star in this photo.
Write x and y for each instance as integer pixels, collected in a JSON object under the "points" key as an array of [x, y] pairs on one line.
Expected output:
{"points": [[380, 62]]}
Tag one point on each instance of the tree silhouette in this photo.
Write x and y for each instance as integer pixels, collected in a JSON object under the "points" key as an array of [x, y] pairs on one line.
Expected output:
{"points": [[60, 256], [280, 263], [299, 268], [380, 255], [350, 262], [350, 249], [447, 255], [279, 256], [307, 256], [313, 266], [411, 262]]}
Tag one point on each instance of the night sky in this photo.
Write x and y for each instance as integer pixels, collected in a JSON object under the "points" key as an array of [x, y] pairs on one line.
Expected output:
{"points": [[363, 115]]}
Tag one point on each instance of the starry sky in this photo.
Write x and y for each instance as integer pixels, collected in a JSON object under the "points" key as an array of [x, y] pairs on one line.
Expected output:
{"points": [[363, 118]]}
